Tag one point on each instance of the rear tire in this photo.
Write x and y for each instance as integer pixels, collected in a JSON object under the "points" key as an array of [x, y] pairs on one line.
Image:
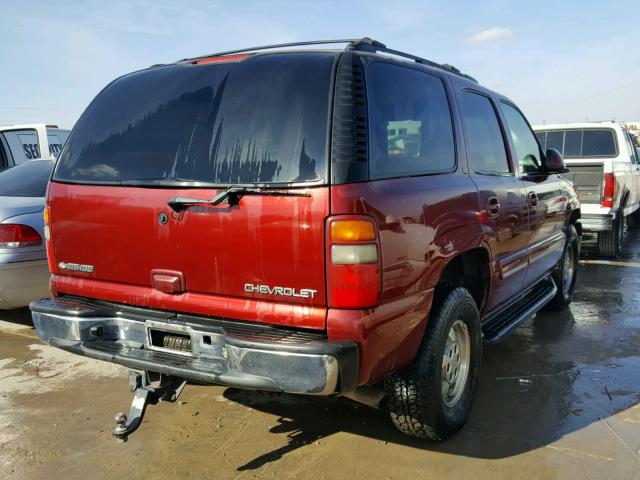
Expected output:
{"points": [[432, 397], [610, 243], [566, 272]]}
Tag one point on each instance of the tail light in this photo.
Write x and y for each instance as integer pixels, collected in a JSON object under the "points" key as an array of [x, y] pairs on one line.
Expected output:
{"points": [[608, 190], [47, 236], [14, 236], [353, 263], [222, 59]]}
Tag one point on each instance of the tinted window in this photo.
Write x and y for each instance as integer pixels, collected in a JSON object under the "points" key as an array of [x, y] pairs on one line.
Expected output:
{"points": [[524, 142], [542, 138], [581, 143], [485, 145], [572, 143], [28, 179], [261, 120], [555, 140], [598, 143], [409, 121], [4, 160]]}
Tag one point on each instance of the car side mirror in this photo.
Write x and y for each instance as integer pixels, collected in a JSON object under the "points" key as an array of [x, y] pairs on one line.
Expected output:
{"points": [[553, 162]]}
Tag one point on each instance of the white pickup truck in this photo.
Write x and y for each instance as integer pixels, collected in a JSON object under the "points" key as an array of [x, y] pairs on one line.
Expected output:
{"points": [[19, 143], [604, 166]]}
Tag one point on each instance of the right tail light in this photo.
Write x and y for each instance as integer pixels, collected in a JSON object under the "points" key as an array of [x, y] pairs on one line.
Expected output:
{"points": [[353, 263], [608, 190]]}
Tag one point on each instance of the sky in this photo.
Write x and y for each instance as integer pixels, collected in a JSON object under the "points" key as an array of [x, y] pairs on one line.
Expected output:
{"points": [[560, 61]]}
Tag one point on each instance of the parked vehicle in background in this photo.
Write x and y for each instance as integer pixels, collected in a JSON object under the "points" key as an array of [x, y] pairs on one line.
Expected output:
{"points": [[291, 233], [24, 273], [605, 168], [19, 143]]}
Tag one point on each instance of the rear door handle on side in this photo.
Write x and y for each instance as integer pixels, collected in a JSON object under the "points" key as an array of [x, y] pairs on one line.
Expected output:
{"points": [[493, 207], [532, 200]]}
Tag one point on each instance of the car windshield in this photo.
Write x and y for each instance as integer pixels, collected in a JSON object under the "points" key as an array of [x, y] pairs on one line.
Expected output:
{"points": [[262, 120], [29, 179]]}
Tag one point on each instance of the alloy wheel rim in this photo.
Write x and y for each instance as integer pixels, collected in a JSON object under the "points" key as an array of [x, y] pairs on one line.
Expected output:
{"points": [[455, 363]]}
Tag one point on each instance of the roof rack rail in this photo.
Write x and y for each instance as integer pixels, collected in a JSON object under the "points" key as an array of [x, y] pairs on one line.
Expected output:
{"points": [[369, 45], [278, 45], [364, 44]]}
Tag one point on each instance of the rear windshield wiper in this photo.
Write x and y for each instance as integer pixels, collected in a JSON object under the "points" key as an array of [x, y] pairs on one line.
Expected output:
{"points": [[231, 196]]}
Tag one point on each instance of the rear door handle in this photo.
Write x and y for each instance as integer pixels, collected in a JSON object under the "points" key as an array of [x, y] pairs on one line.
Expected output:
{"points": [[533, 199], [493, 207]]}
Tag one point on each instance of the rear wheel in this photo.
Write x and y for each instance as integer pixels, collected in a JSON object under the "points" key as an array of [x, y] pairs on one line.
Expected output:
{"points": [[432, 398], [566, 271], [610, 243]]}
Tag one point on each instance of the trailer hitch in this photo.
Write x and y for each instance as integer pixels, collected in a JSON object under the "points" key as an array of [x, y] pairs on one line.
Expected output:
{"points": [[148, 388]]}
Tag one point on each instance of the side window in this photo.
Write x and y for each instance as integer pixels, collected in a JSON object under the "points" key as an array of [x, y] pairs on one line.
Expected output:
{"points": [[486, 148], [23, 145], [542, 138], [57, 138], [631, 147], [4, 154], [523, 140], [410, 124]]}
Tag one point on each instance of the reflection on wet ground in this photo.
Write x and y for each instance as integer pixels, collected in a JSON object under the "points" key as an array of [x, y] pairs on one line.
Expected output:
{"points": [[559, 398]]}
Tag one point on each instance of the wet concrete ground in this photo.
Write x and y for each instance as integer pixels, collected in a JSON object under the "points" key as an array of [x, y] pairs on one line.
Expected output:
{"points": [[559, 398]]}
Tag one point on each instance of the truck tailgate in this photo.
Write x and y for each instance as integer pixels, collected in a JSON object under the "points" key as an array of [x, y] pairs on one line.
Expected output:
{"points": [[587, 177]]}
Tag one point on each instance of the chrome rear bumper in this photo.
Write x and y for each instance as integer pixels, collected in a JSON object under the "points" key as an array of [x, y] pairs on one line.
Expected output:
{"points": [[597, 222], [221, 352]]}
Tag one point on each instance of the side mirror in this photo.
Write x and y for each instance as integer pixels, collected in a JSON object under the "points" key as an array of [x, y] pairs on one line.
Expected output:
{"points": [[553, 162]]}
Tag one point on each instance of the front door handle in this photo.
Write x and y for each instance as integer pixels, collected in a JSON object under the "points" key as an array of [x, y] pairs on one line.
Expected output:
{"points": [[532, 200], [493, 207]]}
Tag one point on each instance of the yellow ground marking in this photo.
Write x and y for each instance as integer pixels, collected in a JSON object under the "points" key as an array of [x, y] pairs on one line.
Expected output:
{"points": [[612, 263]]}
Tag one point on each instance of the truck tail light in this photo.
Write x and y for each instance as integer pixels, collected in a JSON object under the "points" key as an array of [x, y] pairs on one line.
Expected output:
{"points": [[14, 235], [608, 190], [353, 263]]}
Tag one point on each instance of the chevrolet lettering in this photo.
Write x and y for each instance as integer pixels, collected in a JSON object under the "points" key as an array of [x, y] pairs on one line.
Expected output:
{"points": [[75, 267], [282, 291]]}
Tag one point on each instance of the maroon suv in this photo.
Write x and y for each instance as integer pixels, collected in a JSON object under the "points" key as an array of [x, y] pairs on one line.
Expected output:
{"points": [[305, 221]]}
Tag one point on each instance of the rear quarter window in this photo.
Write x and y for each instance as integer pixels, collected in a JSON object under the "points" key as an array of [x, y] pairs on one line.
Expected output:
{"points": [[410, 126]]}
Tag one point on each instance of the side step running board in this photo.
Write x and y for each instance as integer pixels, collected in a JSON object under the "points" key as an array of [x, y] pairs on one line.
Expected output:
{"points": [[527, 305]]}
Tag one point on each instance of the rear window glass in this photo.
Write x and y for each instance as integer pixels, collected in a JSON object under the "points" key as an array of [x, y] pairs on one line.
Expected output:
{"points": [[581, 143], [261, 120], [28, 179], [410, 122]]}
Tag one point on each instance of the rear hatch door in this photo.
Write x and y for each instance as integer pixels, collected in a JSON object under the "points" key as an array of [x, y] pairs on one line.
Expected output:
{"points": [[192, 130]]}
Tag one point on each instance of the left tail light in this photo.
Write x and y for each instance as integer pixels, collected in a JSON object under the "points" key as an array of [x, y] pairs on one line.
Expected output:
{"points": [[353, 263], [47, 236], [13, 235]]}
